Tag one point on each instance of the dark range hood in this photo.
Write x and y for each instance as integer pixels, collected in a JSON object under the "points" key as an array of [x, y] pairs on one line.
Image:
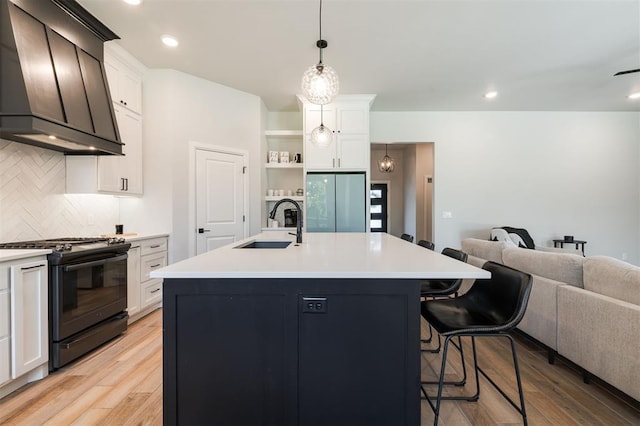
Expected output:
{"points": [[53, 87]]}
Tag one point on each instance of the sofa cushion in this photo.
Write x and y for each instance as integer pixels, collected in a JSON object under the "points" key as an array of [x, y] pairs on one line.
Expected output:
{"points": [[612, 277], [563, 267], [487, 250]]}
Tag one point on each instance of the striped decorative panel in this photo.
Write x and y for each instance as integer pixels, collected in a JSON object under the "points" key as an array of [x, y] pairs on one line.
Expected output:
{"points": [[33, 204]]}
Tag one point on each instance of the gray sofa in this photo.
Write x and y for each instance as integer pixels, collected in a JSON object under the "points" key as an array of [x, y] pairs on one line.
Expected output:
{"points": [[585, 309]]}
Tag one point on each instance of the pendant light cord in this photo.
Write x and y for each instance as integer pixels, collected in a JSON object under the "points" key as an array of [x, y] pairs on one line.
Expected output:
{"points": [[320, 28]]}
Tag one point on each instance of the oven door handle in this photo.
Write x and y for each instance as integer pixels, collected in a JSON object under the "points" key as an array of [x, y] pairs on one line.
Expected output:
{"points": [[95, 263]]}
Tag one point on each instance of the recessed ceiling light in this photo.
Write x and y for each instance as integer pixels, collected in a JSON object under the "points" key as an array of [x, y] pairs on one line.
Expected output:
{"points": [[133, 2], [634, 95], [169, 40], [491, 95]]}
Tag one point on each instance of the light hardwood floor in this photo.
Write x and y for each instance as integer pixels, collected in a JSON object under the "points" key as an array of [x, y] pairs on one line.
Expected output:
{"points": [[121, 384]]}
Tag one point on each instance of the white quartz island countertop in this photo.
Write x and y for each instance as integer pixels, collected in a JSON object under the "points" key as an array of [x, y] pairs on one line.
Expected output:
{"points": [[323, 255]]}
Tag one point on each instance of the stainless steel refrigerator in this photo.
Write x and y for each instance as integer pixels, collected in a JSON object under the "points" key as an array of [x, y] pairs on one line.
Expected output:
{"points": [[336, 202]]}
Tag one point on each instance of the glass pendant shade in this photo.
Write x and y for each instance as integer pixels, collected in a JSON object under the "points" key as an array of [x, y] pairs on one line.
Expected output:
{"points": [[386, 164], [321, 136], [320, 84]]}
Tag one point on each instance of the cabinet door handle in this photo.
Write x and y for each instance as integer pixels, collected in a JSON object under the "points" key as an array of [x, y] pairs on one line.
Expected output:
{"points": [[334, 162], [155, 266], [155, 246], [126, 180], [32, 267], [155, 291], [338, 163]]}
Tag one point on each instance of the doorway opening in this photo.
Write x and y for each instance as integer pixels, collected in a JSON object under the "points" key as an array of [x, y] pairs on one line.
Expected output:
{"points": [[379, 217]]}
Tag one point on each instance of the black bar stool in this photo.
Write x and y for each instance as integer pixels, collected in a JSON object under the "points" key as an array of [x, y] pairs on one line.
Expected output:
{"points": [[490, 308]]}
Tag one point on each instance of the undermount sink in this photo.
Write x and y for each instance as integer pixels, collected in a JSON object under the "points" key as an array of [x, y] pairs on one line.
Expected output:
{"points": [[262, 244]]}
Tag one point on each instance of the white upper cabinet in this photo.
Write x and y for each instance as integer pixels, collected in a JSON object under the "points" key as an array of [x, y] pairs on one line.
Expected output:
{"points": [[124, 174], [125, 79], [110, 174], [113, 174], [348, 119], [340, 117]]}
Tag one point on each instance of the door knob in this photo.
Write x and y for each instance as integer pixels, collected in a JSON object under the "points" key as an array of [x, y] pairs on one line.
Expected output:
{"points": [[202, 230]]}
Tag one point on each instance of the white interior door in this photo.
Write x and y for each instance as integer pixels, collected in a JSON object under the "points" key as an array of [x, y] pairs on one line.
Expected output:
{"points": [[220, 211]]}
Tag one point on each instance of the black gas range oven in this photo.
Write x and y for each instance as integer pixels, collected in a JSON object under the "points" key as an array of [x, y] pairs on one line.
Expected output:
{"points": [[87, 293]]}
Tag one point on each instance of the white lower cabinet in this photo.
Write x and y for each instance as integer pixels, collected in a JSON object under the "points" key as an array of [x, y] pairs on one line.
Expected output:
{"points": [[133, 280], [5, 359], [24, 329], [29, 317], [145, 293], [152, 292]]}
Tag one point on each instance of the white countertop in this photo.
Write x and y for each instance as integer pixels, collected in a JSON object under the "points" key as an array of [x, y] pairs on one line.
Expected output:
{"points": [[323, 255], [133, 236], [11, 254]]}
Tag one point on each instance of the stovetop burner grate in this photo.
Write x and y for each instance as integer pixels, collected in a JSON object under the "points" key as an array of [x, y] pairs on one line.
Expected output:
{"points": [[59, 243]]}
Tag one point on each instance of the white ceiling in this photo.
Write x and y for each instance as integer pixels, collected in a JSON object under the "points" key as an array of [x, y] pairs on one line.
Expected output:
{"points": [[415, 55]]}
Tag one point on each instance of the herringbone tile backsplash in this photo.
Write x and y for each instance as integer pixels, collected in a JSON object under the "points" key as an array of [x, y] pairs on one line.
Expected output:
{"points": [[33, 204]]}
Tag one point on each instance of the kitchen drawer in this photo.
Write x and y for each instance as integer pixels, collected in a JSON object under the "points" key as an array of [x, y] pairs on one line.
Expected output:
{"points": [[154, 245], [4, 314], [151, 292], [151, 262], [5, 364]]}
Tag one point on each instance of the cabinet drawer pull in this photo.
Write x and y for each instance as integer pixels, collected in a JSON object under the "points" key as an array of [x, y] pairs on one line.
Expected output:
{"points": [[155, 246], [155, 291], [32, 267], [155, 266]]}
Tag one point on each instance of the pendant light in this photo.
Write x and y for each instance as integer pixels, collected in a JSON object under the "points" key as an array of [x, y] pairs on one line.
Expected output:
{"points": [[320, 82], [321, 136], [386, 164]]}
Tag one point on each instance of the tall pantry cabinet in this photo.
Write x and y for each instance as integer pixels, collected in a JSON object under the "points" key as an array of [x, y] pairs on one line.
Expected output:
{"points": [[348, 152]]}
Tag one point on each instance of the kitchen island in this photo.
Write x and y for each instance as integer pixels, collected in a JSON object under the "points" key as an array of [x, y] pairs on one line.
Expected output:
{"points": [[324, 332]]}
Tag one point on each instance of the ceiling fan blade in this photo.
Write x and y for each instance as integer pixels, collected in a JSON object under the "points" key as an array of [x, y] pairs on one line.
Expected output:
{"points": [[626, 72]]}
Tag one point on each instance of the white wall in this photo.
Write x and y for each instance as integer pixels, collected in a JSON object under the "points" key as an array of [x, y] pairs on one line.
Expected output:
{"points": [[409, 174], [424, 167], [179, 109], [553, 173]]}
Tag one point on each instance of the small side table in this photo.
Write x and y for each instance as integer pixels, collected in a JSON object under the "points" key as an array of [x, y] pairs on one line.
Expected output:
{"points": [[561, 243]]}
